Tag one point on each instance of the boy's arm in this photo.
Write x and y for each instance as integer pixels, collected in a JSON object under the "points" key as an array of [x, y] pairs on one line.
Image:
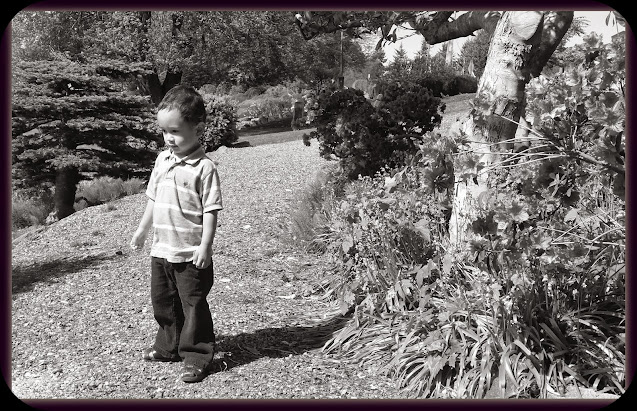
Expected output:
{"points": [[203, 255], [144, 225]]}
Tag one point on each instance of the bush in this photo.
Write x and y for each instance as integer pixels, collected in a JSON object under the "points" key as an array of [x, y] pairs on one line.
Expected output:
{"points": [[434, 83], [105, 189], [270, 108], [367, 138], [26, 212], [278, 91], [236, 89], [252, 92], [221, 123], [460, 85]]}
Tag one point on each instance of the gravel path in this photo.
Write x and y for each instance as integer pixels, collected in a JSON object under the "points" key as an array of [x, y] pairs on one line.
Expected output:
{"points": [[81, 311]]}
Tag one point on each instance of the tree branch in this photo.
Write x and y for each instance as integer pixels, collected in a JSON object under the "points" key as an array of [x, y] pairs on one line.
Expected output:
{"points": [[555, 25], [438, 30], [434, 26]]}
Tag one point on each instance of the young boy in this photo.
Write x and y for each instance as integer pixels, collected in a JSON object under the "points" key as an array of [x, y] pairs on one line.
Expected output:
{"points": [[183, 199]]}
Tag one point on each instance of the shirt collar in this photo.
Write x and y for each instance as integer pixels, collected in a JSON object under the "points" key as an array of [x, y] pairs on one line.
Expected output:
{"points": [[192, 158]]}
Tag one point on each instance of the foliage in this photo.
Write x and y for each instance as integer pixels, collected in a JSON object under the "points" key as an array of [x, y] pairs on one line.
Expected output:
{"points": [[234, 48], [318, 60], [70, 118], [536, 301], [29, 210], [367, 138], [460, 85], [221, 123], [430, 72], [311, 217], [476, 49], [270, 108], [105, 189]]}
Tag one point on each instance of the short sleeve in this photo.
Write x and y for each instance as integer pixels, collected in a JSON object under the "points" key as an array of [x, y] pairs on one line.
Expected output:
{"points": [[211, 192], [151, 188]]}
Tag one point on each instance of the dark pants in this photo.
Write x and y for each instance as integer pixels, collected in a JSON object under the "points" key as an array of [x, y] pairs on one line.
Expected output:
{"points": [[178, 293]]}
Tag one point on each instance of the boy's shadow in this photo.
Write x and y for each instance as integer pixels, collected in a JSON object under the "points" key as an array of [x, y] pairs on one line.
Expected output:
{"points": [[241, 349]]}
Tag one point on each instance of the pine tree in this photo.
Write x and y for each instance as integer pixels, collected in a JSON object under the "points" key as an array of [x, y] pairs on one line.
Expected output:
{"points": [[72, 121], [400, 67], [476, 49], [422, 61]]}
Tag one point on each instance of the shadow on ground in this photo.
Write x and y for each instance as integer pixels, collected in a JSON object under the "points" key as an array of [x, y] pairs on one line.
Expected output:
{"points": [[241, 349], [241, 144], [24, 278]]}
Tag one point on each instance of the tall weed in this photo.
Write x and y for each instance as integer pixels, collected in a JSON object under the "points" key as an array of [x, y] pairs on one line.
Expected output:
{"points": [[310, 217]]}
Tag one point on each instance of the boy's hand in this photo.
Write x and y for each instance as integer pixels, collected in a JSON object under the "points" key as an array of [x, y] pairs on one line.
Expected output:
{"points": [[202, 257], [138, 240]]}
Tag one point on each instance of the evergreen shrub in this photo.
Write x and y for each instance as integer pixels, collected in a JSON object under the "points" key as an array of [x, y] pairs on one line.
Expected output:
{"points": [[366, 138]]}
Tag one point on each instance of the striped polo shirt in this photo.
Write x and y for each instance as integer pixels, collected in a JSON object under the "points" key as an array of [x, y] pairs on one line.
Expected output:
{"points": [[183, 190]]}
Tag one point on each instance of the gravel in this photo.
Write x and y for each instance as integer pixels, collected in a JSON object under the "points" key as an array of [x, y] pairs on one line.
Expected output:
{"points": [[81, 312]]}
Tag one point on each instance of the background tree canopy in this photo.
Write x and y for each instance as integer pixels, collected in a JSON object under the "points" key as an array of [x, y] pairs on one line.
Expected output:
{"points": [[247, 48]]}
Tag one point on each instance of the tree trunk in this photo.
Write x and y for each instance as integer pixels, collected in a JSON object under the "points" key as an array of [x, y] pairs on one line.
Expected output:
{"points": [[522, 43], [158, 89], [151, 84], [66, 180]]}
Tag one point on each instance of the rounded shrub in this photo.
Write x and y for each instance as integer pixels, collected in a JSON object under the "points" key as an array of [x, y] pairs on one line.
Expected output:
{"points": [[221, 123], [367, 138]]}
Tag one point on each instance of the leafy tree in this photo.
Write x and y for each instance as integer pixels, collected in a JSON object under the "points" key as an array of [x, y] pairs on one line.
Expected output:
{"points": [[72, 120], [82, 36], [320, 61], [244, 48], [39, 35]]}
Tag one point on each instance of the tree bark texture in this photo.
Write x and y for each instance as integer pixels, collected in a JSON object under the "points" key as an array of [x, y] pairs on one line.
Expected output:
{"points": [[521, 45]]}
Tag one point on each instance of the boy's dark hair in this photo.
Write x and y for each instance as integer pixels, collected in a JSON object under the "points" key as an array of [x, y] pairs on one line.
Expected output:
{"points": [[187, 101]]}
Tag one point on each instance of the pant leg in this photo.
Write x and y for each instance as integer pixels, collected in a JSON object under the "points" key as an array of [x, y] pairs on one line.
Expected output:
{"points": [[197, 339], [167, 307]]}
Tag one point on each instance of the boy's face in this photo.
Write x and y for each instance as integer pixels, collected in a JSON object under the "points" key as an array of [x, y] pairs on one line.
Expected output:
{"points": [[182, 137]]}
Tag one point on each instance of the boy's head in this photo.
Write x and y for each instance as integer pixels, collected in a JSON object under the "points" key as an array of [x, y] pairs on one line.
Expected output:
{"points": [[181, 115], [187, 101]]}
